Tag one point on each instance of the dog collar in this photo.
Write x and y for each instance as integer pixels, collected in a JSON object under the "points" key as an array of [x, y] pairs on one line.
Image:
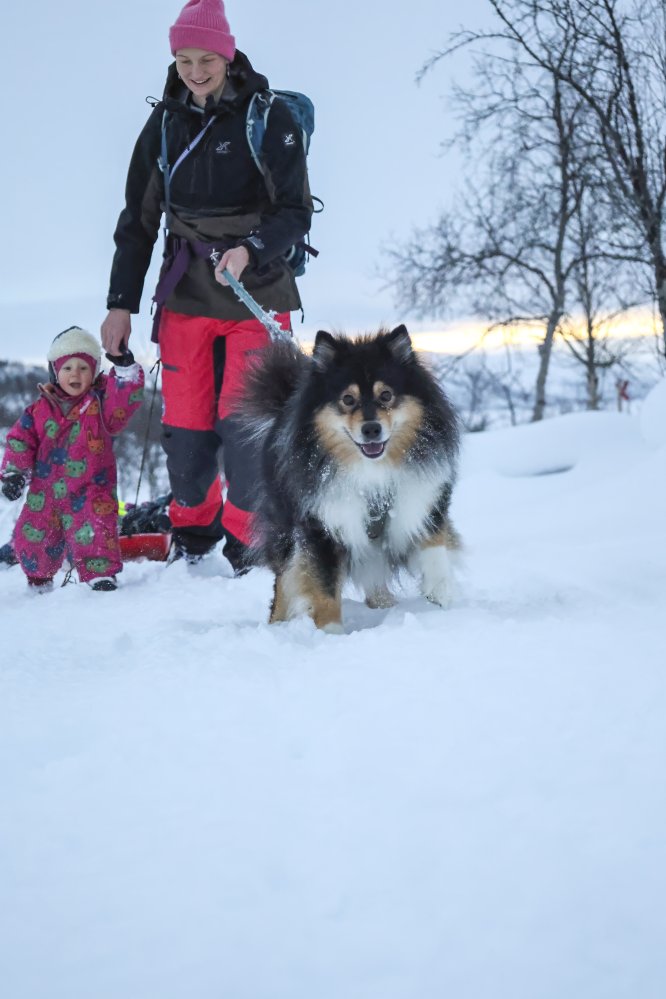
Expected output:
{"points": [[378, 513]]}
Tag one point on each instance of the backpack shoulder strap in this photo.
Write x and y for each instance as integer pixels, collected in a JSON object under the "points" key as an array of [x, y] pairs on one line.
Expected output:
{"points": [[163, 162], [256, 122]]}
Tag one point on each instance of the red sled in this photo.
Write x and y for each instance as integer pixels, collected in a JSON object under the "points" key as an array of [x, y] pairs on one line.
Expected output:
{"points": [[154, 547]]}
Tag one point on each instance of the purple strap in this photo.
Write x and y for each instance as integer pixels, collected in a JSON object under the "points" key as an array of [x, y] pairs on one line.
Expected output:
{"points": [[181, 252]]}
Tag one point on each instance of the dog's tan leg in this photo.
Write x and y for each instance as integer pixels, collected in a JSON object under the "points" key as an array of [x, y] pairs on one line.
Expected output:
{"points": [[327, 612], [324, 599], [298, 590], [279, 605], [288, 599]]}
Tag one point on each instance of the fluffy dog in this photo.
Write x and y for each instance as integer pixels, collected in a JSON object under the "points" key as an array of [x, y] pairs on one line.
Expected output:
{"points": [[359, 448]]}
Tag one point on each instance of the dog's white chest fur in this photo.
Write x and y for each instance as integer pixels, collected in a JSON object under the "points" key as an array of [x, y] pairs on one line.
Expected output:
{"points": [[352, 498]]}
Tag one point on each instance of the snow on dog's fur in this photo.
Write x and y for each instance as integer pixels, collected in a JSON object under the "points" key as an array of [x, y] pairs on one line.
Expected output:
{"points": [[359, 448]]}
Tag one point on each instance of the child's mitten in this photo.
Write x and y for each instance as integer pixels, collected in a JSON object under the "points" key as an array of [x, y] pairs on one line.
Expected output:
{"points": [[12, 485]]}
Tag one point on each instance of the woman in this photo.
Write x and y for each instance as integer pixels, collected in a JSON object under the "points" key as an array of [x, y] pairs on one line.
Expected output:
{"points": [[216, 202]]}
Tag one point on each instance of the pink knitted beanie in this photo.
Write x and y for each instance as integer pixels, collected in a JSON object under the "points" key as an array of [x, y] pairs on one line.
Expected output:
{"points": [[202, 24], [90, 361]]}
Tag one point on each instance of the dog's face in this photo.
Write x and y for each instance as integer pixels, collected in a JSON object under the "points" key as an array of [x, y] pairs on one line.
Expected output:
{"points": [[368, 413]]}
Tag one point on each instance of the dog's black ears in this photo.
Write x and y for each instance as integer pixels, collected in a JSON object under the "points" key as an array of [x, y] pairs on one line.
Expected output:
{"points": [[324, 349], [326, 346], [399, 343]]}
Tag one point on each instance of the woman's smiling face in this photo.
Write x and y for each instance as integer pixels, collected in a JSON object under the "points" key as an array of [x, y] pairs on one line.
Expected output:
{"points": [[203, 73]]}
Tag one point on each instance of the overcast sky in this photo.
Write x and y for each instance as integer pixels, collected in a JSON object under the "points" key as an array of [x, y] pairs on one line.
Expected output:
{"points": [[75, 77]]}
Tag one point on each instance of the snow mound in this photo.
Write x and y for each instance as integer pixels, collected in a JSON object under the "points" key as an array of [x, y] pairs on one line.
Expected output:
{"points": [[549, 447]]}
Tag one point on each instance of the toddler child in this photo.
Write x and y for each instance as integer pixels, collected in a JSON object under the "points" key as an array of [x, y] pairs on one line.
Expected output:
{"points": [[62, 447]]}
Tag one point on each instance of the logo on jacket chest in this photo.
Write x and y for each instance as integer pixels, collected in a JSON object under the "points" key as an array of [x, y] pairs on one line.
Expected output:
{"points": [[223, 148]]}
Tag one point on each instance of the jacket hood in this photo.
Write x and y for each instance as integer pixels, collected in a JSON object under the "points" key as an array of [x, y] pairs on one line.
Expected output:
{"points": [[243, 81]]}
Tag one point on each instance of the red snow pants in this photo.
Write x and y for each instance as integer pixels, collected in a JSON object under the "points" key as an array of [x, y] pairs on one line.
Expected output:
{"points": [[203, 365]]}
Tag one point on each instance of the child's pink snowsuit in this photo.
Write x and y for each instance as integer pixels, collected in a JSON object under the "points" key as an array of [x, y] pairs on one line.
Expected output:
{"points": [[65, 448]]}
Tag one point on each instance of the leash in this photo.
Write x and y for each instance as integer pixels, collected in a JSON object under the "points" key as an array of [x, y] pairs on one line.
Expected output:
{"points": [[275, 331]]}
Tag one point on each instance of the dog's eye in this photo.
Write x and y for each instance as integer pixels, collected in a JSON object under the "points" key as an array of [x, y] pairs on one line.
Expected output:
{"points": [[348, 399], [386, 396]]}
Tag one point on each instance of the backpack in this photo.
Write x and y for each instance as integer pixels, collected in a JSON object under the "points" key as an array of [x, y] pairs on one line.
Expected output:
{"points": [[302, 111]]}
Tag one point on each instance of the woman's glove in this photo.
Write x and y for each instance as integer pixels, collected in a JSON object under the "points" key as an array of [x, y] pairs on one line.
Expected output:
{"points": [[12, 485], [123, 360]]}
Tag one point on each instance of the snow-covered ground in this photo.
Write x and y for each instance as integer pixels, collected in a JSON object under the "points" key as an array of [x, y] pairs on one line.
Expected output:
{"points": [[466, 804]]}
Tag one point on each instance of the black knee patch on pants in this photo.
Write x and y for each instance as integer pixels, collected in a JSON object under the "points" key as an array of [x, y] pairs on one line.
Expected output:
{"points": [[192, 462]]}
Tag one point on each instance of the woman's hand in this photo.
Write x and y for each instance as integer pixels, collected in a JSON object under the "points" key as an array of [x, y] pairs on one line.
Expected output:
{"points": [[235, 261], [116, 330]]}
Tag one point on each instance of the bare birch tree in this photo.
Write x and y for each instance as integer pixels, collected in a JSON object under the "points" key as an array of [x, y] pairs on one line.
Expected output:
{"points": [[601, 292], [508, 240], [612, 55]]}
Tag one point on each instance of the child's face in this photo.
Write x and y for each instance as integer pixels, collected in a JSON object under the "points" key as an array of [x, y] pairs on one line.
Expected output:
{"points": [[75, 376]]}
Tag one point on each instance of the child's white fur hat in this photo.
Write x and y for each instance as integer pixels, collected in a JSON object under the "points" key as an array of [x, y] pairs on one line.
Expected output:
{"points": [[75, 341]]}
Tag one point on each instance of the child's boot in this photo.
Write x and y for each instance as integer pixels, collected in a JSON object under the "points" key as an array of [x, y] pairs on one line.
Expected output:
{"points": [[103, 584]]}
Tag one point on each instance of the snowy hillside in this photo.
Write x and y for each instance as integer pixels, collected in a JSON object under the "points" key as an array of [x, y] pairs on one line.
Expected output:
{"points": [[467, 804]]}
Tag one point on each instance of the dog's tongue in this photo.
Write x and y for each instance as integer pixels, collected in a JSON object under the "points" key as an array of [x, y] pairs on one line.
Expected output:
{"points": [[372, 450]]}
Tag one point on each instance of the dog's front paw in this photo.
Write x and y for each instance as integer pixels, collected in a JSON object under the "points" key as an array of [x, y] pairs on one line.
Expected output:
{"points": [[380, 599], [438, 584], [441, 593], [333, 628]]}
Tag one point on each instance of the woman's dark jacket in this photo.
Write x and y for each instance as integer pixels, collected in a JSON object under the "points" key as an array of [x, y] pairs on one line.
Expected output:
{"points": [[217, 195]]}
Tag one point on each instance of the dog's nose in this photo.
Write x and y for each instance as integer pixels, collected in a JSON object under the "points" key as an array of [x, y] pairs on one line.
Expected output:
{"points": [[371, 430]]}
